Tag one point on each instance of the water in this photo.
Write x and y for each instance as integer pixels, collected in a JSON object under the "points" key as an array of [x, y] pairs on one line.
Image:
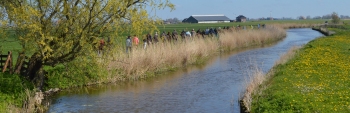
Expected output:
{"points": [[210, 88]]}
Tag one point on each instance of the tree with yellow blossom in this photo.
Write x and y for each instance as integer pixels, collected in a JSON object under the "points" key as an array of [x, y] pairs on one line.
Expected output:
{"points": [[58, 31]]}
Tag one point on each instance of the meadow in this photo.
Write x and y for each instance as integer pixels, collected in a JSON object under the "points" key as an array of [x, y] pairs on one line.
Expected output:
{"points": [[140, 63], [314, 78]]}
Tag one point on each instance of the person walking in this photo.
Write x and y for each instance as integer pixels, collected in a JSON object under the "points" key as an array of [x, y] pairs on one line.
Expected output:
{"points": [[193, 33], [156, 38], [128, 44], [135, 41], [149, 38], [174, 35], [144, 43], [188, 34], [163, 37]]}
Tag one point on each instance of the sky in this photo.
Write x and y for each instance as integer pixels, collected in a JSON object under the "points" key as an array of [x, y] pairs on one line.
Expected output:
{"points": [[255, 8]]}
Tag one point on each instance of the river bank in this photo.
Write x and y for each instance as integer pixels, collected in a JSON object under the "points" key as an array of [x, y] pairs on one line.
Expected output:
{"points": [[166, 56], [104, 80], [212, 87], [315, 79]]}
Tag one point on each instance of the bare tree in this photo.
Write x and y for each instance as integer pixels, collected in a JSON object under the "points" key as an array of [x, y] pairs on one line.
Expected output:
{"points": [[335, 18]]}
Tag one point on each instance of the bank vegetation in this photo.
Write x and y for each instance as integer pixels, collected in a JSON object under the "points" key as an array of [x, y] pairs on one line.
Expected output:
{"points": [[313, 78]]}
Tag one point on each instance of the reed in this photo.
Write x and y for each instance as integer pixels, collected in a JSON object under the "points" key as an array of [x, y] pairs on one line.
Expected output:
{"points": [[296, 25], [256, 78], [256, 83], [244, 38], [32, 103], [141, 63]]}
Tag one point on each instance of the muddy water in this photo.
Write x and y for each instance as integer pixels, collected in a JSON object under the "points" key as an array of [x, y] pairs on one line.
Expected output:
{"points": [[213, 87]]}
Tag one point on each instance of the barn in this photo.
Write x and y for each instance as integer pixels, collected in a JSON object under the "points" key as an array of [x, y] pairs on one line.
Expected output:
{"points": [[206, 19], [241, 18]]}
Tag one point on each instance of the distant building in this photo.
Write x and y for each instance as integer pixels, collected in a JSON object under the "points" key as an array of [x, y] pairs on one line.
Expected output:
{"points": [[185, 20], [206, 19], [241, 18]]}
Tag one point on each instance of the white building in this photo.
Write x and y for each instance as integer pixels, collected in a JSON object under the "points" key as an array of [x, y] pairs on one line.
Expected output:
{"points": [[207, 19]]}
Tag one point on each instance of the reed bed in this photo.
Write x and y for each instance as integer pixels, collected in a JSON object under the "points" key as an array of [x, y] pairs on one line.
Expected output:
{"points": [[142, 63], [296, 25]]}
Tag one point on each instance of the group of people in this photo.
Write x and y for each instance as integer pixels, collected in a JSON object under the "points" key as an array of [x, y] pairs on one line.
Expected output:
{"points": [[133, 42]]}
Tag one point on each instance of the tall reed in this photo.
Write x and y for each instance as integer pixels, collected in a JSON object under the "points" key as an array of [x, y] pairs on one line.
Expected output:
{"points": [[164, 56]]}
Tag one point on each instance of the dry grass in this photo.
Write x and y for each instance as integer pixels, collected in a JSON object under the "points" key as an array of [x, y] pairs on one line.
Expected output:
{"points": [[287, 56], [244, 38], [295, 25], [164, 56], [257, 78], [32, 104]]}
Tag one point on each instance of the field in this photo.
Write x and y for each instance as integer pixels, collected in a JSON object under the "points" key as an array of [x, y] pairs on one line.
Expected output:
{"points": [[315, 80], [188, 26]]}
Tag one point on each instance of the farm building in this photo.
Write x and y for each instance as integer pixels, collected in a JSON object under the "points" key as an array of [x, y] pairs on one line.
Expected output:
{"points": [[241, 18], [206, 19]]}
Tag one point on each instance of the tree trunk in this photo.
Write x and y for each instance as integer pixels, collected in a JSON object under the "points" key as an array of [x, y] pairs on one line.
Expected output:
{"points": [[35, 71]]}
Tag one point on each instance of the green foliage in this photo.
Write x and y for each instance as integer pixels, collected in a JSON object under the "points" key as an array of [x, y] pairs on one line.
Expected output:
{"points": [[80, 72], [335, 18], [315, 80], [59, 31], [12, 90]]}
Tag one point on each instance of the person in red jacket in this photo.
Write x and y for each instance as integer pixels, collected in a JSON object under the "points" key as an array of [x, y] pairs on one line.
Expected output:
{"points": [[135, 41]]}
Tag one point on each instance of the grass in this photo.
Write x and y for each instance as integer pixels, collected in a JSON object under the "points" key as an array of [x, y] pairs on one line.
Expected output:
{"points": [[165, 56], [315, 80], [189, 27], [257, 78], [140, 64], [12, 90]]}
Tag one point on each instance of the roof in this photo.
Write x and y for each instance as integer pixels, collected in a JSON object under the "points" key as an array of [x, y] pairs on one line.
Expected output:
{"points": [[210, 17], [241, 16]]}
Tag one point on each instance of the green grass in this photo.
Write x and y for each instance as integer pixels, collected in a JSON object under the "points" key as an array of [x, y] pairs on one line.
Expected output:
{"points": [[12, 86], [315, 80], [12, 90], [188, 26]]}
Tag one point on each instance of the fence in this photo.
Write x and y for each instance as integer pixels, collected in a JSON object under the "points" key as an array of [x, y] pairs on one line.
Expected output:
{"points": [[6, 62]]}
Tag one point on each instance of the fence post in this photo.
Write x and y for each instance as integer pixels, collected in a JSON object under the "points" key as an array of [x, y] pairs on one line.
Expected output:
{"points": [[8, 63], [1, 60], [11, 62]]}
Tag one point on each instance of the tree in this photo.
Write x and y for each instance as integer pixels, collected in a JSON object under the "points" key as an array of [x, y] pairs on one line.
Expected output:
{"points": [[335, 18], [308, 17], [58, 31]]}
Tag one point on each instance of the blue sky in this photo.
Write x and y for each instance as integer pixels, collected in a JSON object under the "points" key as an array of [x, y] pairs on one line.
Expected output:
{"points": [[255, 8]]}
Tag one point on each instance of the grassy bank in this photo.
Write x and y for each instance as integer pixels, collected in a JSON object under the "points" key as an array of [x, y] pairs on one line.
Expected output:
{"points": [[167, 56], [140, 64], [14, 94], [315, 80]]}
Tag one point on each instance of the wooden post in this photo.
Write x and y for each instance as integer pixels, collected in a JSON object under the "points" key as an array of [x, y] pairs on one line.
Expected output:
{"points": [[20, 60], [8, 63], [11, 62]]}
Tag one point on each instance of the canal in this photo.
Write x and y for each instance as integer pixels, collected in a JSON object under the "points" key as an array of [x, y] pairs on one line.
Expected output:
{"points": [[212, 87]]}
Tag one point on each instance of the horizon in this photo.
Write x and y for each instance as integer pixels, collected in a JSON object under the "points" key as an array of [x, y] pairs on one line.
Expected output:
{"points": [[254, 9]]}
